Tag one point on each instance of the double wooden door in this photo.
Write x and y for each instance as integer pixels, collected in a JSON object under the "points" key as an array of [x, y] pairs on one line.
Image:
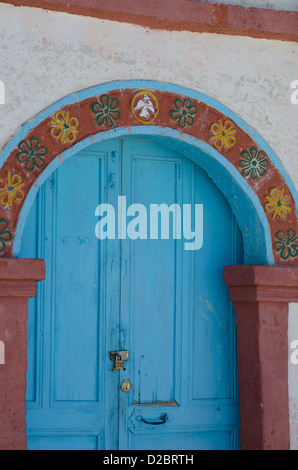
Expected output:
{"points": [[165, 305]]}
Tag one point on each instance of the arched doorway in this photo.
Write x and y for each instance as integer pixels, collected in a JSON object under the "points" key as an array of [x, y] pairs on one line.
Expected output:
{"points": [[240, 163], [167, 306]]}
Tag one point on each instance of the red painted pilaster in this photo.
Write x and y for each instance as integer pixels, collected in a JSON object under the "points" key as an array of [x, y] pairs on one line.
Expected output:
{"points": [[18, 279], [260, 296]]}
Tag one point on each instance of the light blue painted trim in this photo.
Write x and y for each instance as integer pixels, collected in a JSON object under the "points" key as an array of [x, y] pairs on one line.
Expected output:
{"points": [[160, 134], [150, 131]]}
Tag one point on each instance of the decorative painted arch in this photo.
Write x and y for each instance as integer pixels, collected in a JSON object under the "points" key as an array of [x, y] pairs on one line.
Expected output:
{"points": [[242, 165]]}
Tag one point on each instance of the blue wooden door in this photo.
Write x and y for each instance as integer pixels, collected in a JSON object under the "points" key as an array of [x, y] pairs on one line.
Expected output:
{"points": [[167, 306]]}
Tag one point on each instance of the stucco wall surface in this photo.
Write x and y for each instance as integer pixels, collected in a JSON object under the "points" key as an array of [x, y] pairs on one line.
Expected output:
{"points": [[45, 56], [293, 374]]}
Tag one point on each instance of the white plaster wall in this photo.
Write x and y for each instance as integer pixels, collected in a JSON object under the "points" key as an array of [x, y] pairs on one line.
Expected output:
{"points": [[290, 5], [45, 56], [293, 374]]}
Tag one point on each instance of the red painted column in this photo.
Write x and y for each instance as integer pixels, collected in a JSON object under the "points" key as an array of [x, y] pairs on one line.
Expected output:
{"points": [[18, 279], [260, 296]]}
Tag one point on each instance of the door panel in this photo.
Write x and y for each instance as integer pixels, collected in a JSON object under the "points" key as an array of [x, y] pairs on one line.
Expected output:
{"points": [[76, 342], [176, 311], [150, 282], [66, 326], [167, 306], [213, 376], [61, 442], [188, 440]]}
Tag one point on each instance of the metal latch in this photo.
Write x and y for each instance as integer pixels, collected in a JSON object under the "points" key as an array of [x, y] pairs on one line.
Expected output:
{"points": [[118, 357]]}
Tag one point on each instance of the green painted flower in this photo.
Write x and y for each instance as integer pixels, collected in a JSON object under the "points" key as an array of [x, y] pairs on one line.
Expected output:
{"points": [[287, 245], [184, 112], [5, 235], [253, 163], [31, 154], [106, 110]]}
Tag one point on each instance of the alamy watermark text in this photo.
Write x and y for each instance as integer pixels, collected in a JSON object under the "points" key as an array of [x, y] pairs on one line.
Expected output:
{"points": [[186, 221]]}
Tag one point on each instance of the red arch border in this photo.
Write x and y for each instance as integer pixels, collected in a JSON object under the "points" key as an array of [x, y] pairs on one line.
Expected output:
{"points": [[100, 113]]}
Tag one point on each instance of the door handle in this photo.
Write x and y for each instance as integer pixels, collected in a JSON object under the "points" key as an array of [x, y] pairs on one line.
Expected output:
{"points": [[162, 420]]}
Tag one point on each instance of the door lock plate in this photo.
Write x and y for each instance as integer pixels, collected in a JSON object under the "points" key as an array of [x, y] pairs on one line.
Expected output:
{"points": [[114, 354]]}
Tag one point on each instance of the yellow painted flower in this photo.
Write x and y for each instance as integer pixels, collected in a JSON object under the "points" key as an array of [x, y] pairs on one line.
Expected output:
{"points": [[223, 134], [10, 189], [279, 203], [64, 127]]}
